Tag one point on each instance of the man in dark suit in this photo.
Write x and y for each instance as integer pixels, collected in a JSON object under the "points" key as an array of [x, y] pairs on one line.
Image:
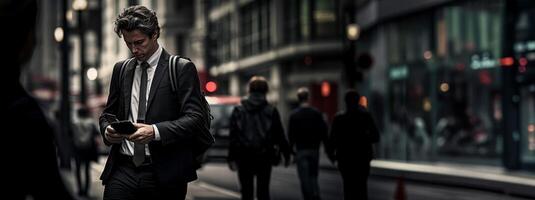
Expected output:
{"points": [[155, 162], [29, 156]]}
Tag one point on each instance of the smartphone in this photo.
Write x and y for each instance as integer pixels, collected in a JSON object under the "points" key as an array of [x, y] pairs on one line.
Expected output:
{"points": [[124, 127]]}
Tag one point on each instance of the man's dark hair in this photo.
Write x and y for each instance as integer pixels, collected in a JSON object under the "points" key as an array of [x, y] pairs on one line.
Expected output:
{"points": [[303, 94], [138, 18], [352, 99], [258, 84]]}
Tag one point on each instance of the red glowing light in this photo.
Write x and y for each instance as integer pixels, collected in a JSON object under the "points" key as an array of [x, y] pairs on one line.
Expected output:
{"points": [[211, 86], [325, 89], [507, 61]]}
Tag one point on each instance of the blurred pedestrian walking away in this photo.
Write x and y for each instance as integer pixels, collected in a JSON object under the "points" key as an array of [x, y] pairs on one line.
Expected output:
{"points": [[353, 133], [157, 160], [85, 131], [30, 163], [63, 140], [306, 130], [257, 141]]}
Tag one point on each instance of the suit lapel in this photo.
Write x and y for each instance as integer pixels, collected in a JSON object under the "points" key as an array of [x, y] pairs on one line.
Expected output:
{"points": [[158, 76], [127, 86]]}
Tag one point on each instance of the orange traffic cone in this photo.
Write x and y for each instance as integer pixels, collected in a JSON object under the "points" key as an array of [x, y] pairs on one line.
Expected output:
{"points": [[400, 190]]}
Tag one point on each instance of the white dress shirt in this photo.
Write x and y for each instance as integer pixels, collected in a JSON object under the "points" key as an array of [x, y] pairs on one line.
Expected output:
{"points": [[127, 147]]}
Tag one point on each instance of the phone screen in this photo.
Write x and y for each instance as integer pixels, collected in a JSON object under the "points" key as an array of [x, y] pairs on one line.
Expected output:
{"points": [[124, 127]]}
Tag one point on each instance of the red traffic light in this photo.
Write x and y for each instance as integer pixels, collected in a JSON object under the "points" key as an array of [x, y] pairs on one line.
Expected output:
{"points": [[211, 86]]}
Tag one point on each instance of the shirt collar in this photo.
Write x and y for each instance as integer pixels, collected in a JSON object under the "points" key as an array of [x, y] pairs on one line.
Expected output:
{"points": [[155, 57]]}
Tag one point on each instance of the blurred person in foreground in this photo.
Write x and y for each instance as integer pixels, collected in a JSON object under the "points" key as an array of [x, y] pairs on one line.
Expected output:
{"points": [[306, 130], [257, 141], [353, 132], [157, 160], [31, 166]]}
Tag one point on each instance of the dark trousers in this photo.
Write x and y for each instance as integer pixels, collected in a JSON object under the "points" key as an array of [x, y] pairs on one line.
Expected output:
{"points": [[355, 178], [307, 169], [128, 182], [247, 171]]}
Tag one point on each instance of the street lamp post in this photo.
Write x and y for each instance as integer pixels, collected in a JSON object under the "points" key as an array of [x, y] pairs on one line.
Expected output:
{"points": [[511, 95], [62, 36], [351, 35], [79, 6]]}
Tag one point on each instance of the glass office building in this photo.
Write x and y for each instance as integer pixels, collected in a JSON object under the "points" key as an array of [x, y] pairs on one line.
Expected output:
{"points": [[447, 75]]}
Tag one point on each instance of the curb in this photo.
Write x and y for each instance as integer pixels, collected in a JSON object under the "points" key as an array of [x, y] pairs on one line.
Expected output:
{"points": [[469, 177]]}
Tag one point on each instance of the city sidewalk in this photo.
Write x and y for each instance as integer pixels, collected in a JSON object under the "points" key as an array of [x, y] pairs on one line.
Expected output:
{"points": [[519, 183], [497, 179], [95, 190], [196, 190]]}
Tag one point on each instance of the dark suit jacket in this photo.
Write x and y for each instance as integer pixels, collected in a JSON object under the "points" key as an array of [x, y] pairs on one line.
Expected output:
{"points": [[174, 115]]}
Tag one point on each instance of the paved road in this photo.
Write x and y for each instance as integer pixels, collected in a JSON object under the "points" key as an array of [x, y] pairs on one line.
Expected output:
{"points": [[217, 182], [285, 186]]}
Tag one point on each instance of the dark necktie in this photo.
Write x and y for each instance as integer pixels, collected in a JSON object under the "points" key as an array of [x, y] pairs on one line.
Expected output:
{"points": [[139, 149]]}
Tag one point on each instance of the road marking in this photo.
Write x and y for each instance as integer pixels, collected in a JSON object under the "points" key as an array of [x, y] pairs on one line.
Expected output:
{"points": [[218, 189]]}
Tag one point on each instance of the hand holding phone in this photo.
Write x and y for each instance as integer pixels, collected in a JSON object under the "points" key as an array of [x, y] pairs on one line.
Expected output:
{"points": [[124, 127]]}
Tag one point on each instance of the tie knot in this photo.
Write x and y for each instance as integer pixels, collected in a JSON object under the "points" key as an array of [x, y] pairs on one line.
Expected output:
{"points": [[144, 65]]}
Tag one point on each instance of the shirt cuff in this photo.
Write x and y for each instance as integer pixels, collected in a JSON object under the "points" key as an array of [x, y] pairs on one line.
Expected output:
{"points": [[156, 133]]}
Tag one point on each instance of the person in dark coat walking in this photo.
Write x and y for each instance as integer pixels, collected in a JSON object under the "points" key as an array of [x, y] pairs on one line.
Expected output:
{"points": [[257, 141], [30, 166], [85, 131], [353, 133], [306, 130]]}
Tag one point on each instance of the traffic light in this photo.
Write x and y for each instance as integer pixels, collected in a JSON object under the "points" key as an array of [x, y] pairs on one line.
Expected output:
{"points": [[364, 61], [210, 86]]}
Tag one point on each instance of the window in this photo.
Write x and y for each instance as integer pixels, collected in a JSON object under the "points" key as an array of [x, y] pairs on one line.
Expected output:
{"points": [[310, 19], [325, 19], [255, 28], [444, 82], [220, 40], [296, 21]]}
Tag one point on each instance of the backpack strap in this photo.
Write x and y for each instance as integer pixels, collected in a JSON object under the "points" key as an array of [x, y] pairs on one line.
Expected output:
{"points": [[173, 68], [172, 72], [123, 67]]}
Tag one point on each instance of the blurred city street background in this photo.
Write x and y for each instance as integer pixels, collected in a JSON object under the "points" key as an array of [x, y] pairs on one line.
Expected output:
{"points": [[217, 182], [448, 82]]}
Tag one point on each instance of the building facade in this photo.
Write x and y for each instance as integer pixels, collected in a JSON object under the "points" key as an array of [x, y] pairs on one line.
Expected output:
{"points": [[291, 43], [452, 81]]}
